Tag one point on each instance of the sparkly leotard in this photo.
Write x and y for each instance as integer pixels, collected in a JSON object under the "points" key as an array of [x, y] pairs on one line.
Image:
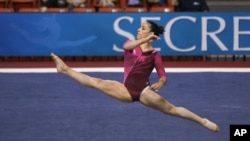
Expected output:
{"points": [[138, 66]]}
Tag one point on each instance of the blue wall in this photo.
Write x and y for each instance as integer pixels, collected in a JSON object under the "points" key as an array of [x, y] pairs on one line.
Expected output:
{"points": [[103, 34]]}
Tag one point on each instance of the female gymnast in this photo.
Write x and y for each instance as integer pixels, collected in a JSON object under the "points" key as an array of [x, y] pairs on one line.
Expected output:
{"points": [[140, 59]]}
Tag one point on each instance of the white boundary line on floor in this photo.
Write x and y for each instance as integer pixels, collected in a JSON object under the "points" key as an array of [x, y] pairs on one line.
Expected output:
{"points": [[120, 69]]}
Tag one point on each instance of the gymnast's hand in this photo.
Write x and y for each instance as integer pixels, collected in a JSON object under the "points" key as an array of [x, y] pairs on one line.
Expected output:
{"points": [[152, 38], [157, 86]]}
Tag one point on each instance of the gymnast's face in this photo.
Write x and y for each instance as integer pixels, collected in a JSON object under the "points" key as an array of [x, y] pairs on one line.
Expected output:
{"points": [[144, 30]]}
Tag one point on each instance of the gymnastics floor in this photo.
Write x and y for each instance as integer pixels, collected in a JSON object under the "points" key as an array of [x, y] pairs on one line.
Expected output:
{"points": [[37, 104]]}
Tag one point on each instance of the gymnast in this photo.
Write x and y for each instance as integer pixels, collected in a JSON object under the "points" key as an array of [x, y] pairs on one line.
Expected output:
{"points": [[140, 59]]}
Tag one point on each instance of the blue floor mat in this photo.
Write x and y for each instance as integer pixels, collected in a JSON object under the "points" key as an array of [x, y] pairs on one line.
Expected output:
{"points": [[52, 107]]}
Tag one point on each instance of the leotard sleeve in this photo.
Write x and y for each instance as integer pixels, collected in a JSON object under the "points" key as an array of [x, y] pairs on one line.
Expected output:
{"points": [[159, 66]]}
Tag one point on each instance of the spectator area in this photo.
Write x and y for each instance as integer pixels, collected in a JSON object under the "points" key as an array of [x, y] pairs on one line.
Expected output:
{"points": [[229, 5], [35, 6]]}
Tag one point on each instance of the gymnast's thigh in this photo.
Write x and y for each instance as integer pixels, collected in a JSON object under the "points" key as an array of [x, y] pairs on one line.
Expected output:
{"points": [[152, 99], [114, 89]]}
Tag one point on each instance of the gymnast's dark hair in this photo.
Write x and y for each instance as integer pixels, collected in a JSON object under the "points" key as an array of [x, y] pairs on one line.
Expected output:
{"points": [[156, 28]]}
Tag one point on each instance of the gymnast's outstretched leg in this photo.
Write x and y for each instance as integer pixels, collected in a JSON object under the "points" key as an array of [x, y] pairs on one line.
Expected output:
{"points": [[111, 88], [151, 99]]}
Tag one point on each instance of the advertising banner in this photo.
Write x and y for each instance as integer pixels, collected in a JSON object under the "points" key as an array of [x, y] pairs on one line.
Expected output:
{"points": [[103, 34]]}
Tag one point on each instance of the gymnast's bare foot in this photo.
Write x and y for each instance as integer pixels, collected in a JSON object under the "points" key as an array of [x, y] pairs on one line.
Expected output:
{"points": [[210, 125], [60, 65]]}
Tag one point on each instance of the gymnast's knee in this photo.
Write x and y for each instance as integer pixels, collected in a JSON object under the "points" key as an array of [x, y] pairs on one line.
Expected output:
{"points": [[96, 83]]}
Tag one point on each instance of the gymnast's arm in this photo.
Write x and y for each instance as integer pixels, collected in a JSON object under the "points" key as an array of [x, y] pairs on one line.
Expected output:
{"points": [[161, 73]]}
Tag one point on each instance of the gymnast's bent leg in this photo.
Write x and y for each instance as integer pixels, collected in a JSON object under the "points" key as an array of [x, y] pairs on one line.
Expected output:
{"points": [[111, 88], [153, 100]]}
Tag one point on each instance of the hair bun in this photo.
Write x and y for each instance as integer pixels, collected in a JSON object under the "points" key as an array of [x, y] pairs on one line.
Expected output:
{"points": [[161, 29]]}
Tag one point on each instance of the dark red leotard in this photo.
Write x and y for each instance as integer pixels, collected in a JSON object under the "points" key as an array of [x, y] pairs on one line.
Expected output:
{"points": [[138, 66]]}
